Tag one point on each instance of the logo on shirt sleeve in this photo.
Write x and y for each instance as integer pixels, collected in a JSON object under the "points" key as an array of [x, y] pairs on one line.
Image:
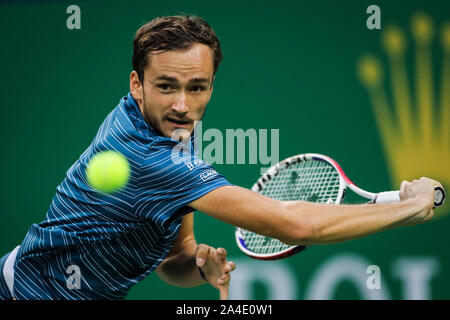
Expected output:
{"points": [[207, 175], [196, 164]]}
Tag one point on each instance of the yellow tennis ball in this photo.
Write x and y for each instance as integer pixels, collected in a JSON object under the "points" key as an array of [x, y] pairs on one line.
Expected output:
{"points": [[108, 171]]}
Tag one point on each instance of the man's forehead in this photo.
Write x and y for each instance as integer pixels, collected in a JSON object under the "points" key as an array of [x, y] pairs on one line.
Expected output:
{"points": [[195, 63]]}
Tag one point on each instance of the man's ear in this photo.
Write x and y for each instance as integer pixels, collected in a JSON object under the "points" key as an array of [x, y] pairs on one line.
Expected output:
{"points": [[136, 87]]}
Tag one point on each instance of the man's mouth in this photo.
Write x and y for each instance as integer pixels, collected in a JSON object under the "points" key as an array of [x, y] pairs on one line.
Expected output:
{"points": [[178, 122]]}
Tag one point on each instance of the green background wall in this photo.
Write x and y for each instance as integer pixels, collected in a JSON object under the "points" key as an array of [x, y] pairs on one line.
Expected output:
{"points": [[289, 65]]}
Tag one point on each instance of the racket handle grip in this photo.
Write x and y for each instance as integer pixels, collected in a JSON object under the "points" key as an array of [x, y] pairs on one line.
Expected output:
{"points": [[387, 197], [394, 196]]}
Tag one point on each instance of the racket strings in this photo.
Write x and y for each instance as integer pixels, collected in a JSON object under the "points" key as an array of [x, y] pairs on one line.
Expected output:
{"points": [[312, 180]]}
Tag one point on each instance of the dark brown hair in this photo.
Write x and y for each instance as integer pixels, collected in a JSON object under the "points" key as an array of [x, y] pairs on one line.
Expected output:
{"points": [[170, 33]]}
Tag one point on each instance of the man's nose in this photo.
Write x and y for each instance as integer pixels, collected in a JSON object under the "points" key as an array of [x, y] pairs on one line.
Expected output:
{"points": [[180, 106]]}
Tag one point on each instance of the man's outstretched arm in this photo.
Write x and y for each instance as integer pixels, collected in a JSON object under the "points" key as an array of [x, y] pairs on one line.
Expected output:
{"points": [[300, 222]]}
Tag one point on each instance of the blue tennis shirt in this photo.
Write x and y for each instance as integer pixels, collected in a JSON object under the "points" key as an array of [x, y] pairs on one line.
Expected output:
{"points": [[112, 241]]}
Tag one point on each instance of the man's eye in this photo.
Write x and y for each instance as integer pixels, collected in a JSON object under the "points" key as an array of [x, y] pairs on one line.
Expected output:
{"points": [[164, 86], [198, 88]]}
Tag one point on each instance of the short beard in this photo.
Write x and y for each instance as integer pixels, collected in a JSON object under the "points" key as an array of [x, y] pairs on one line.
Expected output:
{"points": [[149, 119], [147, 116]]}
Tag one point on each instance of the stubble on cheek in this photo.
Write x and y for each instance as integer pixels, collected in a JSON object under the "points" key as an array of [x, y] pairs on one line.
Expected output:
{"points": [[159, 121], [149, 117]]}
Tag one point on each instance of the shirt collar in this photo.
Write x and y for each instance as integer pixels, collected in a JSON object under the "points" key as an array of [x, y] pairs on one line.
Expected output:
{"points": [[136, 116]]}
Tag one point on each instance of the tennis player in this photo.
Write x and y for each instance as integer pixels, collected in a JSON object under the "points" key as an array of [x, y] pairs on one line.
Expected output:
{"points": [[92, 245]]}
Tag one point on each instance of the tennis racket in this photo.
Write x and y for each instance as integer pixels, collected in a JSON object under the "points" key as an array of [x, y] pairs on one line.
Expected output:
{"points": [[309, 177]]}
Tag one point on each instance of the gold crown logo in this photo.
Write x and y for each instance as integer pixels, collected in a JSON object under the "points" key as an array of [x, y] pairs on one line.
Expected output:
{"points": [[415, 128]]}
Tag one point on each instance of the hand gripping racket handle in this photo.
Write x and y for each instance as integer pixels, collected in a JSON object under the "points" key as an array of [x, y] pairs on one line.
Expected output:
{"points": [[394, 196]]}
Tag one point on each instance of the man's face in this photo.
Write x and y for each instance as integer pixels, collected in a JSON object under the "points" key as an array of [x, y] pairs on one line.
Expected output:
{"points": [[176, 88]]}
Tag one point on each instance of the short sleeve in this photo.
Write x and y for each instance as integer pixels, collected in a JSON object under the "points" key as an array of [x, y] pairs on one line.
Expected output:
{"points": [[170, 179]]}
